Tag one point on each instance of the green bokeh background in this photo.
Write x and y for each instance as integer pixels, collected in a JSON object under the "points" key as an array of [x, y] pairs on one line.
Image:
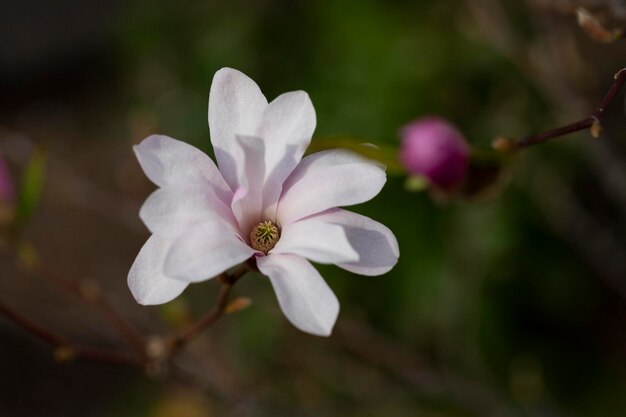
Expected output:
{"points": [[489, 291]]}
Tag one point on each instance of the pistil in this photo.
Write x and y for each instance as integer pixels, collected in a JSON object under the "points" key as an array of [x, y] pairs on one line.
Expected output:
{"points": [[264, 236]]}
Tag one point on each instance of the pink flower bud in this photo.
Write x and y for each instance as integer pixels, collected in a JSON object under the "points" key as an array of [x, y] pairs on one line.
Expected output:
{"points": [[433, 148]]}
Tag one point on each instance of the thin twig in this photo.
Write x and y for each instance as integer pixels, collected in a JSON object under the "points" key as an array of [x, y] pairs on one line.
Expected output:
{"points": [[404, 364], [92, 295], [598, 245], [227, 280], [38, 331], [592, 122], [64, 349]]}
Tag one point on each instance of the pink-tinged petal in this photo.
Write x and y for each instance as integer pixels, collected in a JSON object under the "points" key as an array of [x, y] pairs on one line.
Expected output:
{"points": [[247, 199], [303, 295], [326, 180], [236, 107], [168, 161], [146, 280], [376, 244], [169, 211], [287, 127], [316, 240], [205, 251]]}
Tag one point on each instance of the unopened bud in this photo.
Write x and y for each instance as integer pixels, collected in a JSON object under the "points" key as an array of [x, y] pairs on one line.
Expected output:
{"points": [[157, 348], [238, 304], [502, 144], [595, 29], [434, 149], [596, 129]]}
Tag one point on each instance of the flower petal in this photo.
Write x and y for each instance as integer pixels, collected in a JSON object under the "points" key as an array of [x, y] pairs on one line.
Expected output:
{"points": [[376, 244], [168, 161], [146, 280], [287, 127], [316, 240], [303, 295], [326, 180], [247, 199], [205, 251], [169, 211], [236, 106]]}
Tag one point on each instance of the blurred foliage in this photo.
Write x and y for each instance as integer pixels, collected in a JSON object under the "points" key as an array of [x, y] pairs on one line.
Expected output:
{"points": [[485, 289]]}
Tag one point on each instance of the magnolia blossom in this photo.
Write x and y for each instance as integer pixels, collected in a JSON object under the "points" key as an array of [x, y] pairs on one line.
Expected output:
{"points": [[265, 202]]}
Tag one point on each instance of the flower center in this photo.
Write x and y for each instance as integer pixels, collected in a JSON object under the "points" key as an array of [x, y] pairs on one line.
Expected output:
{"points": [[264, 236]]}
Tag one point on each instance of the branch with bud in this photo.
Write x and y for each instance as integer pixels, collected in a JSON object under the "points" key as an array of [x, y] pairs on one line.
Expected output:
{"points": [[433, 151], [436, 155], [150, 352]]}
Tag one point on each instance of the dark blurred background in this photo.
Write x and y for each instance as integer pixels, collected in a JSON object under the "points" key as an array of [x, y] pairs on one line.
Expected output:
{"points": [[513, 305]]}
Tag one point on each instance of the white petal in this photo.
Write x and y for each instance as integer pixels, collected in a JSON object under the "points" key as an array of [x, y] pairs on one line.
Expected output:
{"points": [[168, 161], [287, 127], [169, 211], [326, 180], [376, 244], [205, 251], [247, 201], [316, 240], [146, 280], [236, 106], [303, 295]]}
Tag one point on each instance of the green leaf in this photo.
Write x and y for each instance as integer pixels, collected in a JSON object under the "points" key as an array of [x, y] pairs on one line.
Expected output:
{"points": [[31, 186], [384, 155]]}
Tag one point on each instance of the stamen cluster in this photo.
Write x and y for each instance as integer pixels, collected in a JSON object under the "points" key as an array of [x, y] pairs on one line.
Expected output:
{"points": [[264, 236]]}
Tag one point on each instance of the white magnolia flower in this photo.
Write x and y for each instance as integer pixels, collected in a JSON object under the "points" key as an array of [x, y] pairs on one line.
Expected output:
{"points": [[265, 201]]}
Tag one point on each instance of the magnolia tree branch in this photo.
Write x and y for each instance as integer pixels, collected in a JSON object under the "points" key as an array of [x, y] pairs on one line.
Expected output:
{"points": [[87, 291], [64, 350], [150, 353], [592, 122], [227, 280]]}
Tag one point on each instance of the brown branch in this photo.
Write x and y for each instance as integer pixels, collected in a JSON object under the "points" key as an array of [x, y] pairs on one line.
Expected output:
{"points": [[592, 122], [64, 350], [598, 245], [91, 294], [403, 364], [227, 280], [151, 353]]}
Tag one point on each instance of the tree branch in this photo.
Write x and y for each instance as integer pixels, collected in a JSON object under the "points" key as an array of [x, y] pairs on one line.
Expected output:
{"points": [[64, 350], [90, 293], [592, 122], [152, 352], [227, 280]]}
